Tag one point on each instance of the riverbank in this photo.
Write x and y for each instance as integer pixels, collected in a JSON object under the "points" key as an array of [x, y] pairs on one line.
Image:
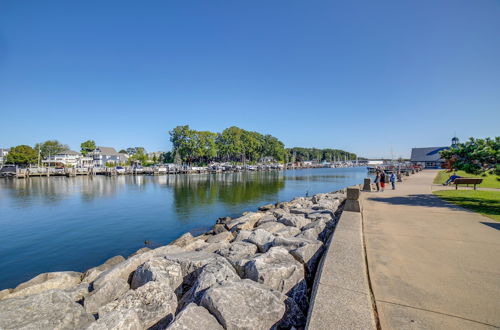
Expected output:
{"points": [[254, 271]]}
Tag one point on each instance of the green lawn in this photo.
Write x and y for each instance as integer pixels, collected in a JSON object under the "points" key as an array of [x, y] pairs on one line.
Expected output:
{"points": [[489, 180], [484, 202]]}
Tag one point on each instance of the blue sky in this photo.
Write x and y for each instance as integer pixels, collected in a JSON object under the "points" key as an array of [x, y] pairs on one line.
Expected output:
{"points": [[364, 76]]}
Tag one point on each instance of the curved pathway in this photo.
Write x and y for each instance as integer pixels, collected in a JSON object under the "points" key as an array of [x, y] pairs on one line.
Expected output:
{"points": [[432, 265]]}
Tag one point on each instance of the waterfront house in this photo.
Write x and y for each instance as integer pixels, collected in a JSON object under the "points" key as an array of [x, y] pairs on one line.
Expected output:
{"points": [[103, 155], [68, 158], [430, 157], [3, 155]]}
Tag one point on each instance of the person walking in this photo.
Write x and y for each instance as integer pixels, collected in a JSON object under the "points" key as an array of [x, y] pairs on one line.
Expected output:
{"points": [[382, 180], [377, 180], [393, 180]]}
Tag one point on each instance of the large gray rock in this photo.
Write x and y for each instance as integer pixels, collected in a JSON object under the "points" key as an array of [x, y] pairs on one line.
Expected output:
{"points": [[154, 302], [268, 217], [91, 274], [46, 281], [246, 222], [244, 304], [325, 215], [195, 317], [124, 269], [307, 252], [218, 271], [79, 292], [196, 245], [158, 269], [302, 211], [272, 226], [238, 254], [220, 238], [51, 309], [117, 320], [287, 232], [279, 213], [297, 221], [184, 240], [219, 228], [262, 238], [211, 248], [267, 207], [110, 291], [313, 230], [242, 236], [327, 204], [191, 263], [277, 269]]}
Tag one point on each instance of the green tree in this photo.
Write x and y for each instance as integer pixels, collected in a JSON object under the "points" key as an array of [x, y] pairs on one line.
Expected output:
{"points": [[22, 155], [50, 148], [123, 151], [474, 156], [87, 146]]}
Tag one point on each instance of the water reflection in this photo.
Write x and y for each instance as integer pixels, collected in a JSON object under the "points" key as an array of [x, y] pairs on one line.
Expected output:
{"points": [[59, 223]]}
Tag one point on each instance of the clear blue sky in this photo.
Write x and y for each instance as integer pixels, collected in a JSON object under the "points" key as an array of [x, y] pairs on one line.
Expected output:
{"points": [[365, 76]]}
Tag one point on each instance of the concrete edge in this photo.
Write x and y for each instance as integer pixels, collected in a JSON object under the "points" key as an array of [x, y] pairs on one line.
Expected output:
{"points": [[341, 296]]}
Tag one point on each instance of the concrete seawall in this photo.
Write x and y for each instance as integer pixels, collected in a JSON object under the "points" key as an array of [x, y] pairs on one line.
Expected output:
{"points": [[341, 297]]}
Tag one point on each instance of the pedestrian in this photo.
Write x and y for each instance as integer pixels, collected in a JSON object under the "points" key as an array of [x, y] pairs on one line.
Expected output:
{"points": [[382, 180], [377, 180], [393, 180]]}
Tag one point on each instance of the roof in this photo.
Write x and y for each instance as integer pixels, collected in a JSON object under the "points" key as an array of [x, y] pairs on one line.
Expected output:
{"points": [[108, 151], [429, 154], [69, 152]]}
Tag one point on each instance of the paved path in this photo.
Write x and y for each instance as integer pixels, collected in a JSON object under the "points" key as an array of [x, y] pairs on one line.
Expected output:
{"points": [[432, 265]]}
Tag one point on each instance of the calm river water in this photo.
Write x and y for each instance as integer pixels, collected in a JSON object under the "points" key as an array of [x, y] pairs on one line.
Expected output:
{"points": [[58, 223]]}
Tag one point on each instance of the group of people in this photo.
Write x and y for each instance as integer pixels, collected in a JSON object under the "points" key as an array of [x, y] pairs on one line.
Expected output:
{"points": [[380, 180]]}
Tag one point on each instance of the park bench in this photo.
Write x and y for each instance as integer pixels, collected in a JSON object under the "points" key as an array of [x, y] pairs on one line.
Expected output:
{"points": [[467, 181]]}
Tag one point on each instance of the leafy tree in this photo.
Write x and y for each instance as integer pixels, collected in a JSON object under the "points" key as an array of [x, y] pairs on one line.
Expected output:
{"points": [[123, 151], [474, 156], [22, 155], [177, 158], [51, 148], [87, 146]]}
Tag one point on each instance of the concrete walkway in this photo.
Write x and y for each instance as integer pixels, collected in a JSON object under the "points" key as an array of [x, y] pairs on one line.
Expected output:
{"points": [[432, 265]]}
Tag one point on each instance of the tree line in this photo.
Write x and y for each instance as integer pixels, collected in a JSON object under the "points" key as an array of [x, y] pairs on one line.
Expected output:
{"points": [[237, 145]]}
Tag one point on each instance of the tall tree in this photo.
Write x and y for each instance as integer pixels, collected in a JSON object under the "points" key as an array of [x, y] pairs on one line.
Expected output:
{"points": [[51, 148], [87, 146], [22, 155]]}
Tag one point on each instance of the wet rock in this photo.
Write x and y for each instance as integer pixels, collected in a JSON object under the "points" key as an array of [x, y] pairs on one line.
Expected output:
{"points": [[244, 304], [117, 320], [158, 269], [154, 303], [238, 254], [51, 309], [46, 281], [262, 238], [297, 221], [91, 274], [110, 291], [220, 238], [194, 317], [246, 222], [216, 272]]}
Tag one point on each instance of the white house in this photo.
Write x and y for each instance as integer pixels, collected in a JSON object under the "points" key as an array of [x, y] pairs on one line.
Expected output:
{"points": [[3, 155], [103, 155], [68, 158]]}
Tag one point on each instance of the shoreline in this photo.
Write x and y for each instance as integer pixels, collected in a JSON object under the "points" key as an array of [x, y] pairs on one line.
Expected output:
{"points": [[290, 234]]}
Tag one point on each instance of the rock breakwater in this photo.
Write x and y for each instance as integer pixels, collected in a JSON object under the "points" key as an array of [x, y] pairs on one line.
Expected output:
{"points": [[252, 272]]}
